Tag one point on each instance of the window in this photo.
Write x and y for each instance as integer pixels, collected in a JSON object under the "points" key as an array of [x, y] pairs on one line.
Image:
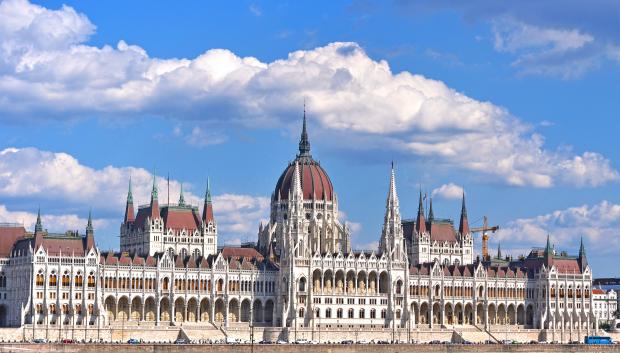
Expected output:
{"points": [[383, 313], [301, 312], [328, 313], [53, 280], [339, 313], [350, 315], [373, 313], [362, 314]]}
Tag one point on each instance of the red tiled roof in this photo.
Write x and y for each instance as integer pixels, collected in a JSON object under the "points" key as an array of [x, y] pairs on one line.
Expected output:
{"points": [[598, 291], [8, 236], [441, 232], [228, 252], [180, 218], [567, 265]]}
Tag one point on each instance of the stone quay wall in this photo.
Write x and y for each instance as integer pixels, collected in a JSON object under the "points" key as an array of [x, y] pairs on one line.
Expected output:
{"points": [[326, 348]]}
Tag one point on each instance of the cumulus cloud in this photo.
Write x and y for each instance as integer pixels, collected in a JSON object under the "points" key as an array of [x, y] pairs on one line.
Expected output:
{"points": [[349, 95], [599, 225], [55, 176], [448, 191], [54, 223]]}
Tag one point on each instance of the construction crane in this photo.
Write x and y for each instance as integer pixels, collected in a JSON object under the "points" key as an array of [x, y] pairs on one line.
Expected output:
{"points": [[485, 236]]}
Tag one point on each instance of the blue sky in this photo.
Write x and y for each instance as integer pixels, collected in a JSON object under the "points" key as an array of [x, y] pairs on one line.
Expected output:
{"points": [[514, 104]]}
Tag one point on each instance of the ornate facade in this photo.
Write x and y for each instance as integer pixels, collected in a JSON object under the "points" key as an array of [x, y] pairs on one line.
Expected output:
{"points": [[302, 273]]}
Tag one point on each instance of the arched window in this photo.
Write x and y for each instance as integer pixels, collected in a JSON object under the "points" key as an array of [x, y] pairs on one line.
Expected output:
{"points": [[66, 280], [362, 314], [53, 280], [302, 284], [350, 314], [302, 312], [165, 285], [373, 313], [398, 314], [339, 313], [383, 313], [446, 262]]}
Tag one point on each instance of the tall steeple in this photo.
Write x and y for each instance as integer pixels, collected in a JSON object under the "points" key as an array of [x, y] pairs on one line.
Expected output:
{"points": [[304, 142], [464, 224], [583, 260], [431, 215], [89, 225], [129, 212], [392, 235], [207, 210], [499, 251], [420, 222], [38, 227], [154, 202], [181, 197]]}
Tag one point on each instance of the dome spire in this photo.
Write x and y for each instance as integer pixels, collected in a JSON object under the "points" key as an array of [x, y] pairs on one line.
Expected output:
{"points": [[38, 227], [304, 143]]}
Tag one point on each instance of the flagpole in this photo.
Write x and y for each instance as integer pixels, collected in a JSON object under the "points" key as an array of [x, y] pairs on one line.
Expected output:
{"points": [[168, 189]]}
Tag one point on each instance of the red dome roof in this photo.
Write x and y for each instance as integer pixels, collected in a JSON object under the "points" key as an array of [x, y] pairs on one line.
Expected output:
{"points": [[315, 182]]}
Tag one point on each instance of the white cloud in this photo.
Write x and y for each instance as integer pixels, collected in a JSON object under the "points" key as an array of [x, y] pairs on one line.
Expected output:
{"points": [[54, 223], [599, 225], [348, 94], [29, 172], [448, 191], [566, 53]]}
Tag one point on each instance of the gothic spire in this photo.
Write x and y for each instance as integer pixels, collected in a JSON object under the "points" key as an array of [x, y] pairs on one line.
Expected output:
{"points": [[38, 227], [207, 210], [499, 250], [391, 223], [464, 223], [304, 142], [420, 222], [548, 252], [154, 189], [296, 191], [154, 202], [431, 215], [129, 215], [583, 261], [89, 224], [129, 193], [181, 197]]}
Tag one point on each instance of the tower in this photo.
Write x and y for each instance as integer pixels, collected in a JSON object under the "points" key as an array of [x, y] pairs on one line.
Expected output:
{"points": [[392, 240], [209, 226]]}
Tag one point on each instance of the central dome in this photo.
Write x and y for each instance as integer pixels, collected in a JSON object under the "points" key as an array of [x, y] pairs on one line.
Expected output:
{"points": [[315, 182]]}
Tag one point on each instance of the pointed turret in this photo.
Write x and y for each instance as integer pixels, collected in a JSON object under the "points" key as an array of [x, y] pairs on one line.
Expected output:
{"points": [[38, 227], [420, 222], [89, 225], [431, 215], [499, 251], [207, 210], [464, 224], [583, 260], [304, 142], [181, 197], [548, 252], [154, 202], [129, 211]]}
